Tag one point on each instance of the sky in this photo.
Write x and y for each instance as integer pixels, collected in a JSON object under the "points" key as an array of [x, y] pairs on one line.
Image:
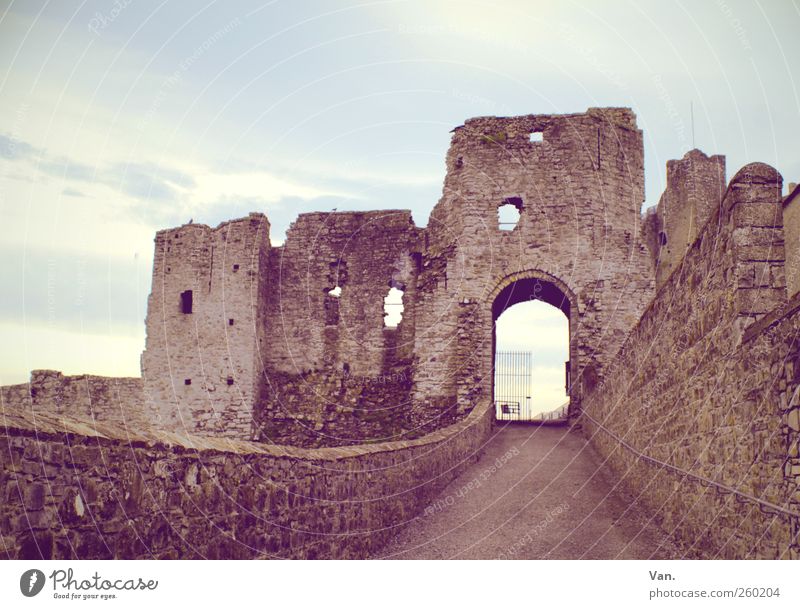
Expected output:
{"points": [[121, 118]]}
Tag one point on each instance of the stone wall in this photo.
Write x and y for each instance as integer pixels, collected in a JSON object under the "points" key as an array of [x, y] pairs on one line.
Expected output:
{"points": [[325, 408], [363, 254], [708, 381], [333, 373], [84, 396], [69, 491]]}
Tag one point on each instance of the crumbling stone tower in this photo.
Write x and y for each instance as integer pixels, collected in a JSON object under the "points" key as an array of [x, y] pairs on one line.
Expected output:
{"points": [[695, 187], [578, 183], [205, 321]]}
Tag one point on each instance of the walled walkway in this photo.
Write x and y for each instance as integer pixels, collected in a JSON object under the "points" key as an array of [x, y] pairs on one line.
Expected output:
{"points": [[552, 498]]}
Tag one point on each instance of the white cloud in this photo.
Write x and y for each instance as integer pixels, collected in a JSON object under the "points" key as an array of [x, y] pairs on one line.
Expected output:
{"points": [[214, 187]]}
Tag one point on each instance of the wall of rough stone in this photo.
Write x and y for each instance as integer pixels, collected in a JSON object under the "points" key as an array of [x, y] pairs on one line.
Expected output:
{"points": [[201, 369], [85, 396], [707, 382], [333, 373], [69, 491], [327, 408], [580, 190]]}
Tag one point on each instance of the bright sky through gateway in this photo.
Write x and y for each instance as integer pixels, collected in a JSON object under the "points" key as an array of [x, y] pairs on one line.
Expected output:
{"points": [[543, 330], [119, 119]]}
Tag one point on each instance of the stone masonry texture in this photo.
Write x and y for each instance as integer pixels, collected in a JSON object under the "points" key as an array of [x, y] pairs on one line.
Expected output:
{"points": [[71, 490], [707, 382]]}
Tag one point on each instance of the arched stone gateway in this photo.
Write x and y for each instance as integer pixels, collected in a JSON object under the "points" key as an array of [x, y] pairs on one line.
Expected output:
{"points": [[532, 285]]}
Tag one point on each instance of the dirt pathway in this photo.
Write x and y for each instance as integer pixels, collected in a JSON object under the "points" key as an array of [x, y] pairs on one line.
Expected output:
{"points": [[538, 492]]}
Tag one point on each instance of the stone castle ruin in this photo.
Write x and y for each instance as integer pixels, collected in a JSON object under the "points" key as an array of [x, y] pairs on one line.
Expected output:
{"points": [[276, 402]]}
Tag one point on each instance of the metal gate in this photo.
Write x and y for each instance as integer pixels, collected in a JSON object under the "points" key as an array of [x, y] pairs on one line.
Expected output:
{"points": [[513, 379]]}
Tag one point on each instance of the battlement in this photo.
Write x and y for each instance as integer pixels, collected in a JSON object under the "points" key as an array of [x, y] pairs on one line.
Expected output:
{"points": [[620, 117]]}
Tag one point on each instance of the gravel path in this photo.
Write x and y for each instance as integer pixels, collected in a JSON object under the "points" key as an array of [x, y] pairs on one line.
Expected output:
{"points": [[548, 496]]}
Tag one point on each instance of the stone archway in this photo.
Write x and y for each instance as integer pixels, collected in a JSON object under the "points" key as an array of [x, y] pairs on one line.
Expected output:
{"points": [[534, 284]]}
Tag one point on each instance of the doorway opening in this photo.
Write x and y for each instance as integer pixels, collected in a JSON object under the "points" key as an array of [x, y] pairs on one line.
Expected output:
{"points": [[531, 354]]}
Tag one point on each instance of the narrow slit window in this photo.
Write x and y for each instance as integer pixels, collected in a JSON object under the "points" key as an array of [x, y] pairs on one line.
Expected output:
{"points": [[332, 305], [186, 302]]}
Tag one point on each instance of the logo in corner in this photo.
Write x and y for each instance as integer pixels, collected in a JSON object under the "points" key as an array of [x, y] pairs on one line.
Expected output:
{"points": [[31, 582]]}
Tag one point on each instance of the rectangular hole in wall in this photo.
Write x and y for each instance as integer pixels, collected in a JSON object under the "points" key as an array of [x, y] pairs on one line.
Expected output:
{"points": [[230, 322], [235, 267], [186, 302], [187, 381], [536, 136]]}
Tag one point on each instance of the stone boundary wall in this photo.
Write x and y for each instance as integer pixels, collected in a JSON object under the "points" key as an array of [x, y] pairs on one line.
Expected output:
{"points": [[84, 396], [708, 381], [69, 490]]}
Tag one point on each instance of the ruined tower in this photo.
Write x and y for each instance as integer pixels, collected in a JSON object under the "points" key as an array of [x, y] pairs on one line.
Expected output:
{"points": [[205, 321], [577, 181], [695, 187]]}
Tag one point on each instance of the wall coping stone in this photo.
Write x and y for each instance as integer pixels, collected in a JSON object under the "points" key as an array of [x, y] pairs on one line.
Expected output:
{"points": [[51, 426]]}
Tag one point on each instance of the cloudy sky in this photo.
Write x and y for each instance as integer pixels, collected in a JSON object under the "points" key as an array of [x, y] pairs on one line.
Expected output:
{"points": [[120, 118]]}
